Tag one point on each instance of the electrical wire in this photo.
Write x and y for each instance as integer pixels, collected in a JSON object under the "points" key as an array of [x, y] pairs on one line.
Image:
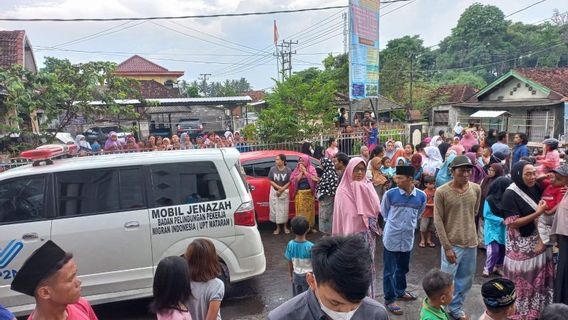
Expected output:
{"points": [[90, 36], [252, 61], [242, 14], [525, 8]]}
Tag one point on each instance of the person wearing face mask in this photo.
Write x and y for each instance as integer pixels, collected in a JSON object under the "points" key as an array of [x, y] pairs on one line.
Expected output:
{"points": [[338, 285]]}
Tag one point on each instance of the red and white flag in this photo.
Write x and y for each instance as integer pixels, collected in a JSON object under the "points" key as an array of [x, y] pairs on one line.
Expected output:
{"points": [[275, 33]]}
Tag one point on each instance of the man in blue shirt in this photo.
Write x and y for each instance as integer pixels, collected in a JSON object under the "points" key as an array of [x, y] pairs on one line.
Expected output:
{"points": [[401, 209], [501, 144], [520, 149]]}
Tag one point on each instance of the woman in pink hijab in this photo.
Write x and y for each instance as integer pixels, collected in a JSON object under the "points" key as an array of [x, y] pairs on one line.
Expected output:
{"points": [[468, 141], [304, 180], [356, 208]]}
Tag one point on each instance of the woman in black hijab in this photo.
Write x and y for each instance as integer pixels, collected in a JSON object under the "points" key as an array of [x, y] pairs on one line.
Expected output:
{"points": [[528, 262], [491, 137], [495, 230], [443, 147]]}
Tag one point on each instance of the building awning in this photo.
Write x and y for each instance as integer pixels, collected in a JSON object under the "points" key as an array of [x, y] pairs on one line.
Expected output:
{"points": [[488, 114]]}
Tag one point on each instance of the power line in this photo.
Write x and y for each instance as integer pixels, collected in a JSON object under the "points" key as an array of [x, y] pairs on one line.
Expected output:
{"points": [[252, 61], [200, 16], [510, 14], [198, 38], [543, 20], [395, 9], [525, 8], [216, 37], [94, 35]]}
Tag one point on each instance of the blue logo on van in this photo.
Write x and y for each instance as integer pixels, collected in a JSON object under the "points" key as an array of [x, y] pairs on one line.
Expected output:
{"points": [[10, 252]]}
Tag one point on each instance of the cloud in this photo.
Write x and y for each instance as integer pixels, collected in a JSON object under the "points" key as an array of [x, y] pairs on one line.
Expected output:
{"points": [[431, 19]]}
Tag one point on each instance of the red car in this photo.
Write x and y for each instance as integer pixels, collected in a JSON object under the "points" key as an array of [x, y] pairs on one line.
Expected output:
{"points": [[256, 166]]}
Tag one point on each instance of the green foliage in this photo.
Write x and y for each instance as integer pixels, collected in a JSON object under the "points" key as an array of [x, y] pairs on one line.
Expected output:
{"points": [[481, 47], [226, 88], [460, 77], [63, 91], [249, 132], [302, 106], [190, 89]]}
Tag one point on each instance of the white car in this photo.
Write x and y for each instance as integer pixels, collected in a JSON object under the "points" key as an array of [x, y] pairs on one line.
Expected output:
{"points": [[120, 214]]}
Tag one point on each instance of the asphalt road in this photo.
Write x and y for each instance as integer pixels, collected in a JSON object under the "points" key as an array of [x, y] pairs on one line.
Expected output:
{"points": [[254, 298]]}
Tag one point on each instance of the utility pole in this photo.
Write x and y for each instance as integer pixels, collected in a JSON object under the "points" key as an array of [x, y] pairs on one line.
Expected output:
{"points": [[203, 76], [345, 32], [411, 85], [286, 55]]}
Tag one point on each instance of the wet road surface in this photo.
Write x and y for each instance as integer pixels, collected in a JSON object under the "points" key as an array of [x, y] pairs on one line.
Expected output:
{"points": [[254, 298]]}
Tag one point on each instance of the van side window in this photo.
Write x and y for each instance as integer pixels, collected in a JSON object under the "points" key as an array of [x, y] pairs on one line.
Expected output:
{"points": [[262, 169], [99, 191], [183, 183], [22, 199]]}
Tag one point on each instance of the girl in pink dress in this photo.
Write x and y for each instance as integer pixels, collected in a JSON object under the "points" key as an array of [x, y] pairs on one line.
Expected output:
{"points": [[551, 158]]}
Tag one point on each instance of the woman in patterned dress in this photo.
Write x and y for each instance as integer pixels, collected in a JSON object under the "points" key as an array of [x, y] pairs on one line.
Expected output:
{"points": [[528, 262], [304, 180], [326, 194]]}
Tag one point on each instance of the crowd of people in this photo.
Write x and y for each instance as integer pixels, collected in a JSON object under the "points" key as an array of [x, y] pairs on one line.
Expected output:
{"points": [[471, 191], [158, 143]]}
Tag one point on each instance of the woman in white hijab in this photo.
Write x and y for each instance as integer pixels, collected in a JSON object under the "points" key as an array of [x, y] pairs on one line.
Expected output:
{"points": [[82, 144], [434, 160]]}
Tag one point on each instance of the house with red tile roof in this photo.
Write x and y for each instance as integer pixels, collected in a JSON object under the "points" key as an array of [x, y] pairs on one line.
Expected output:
{"points": [[155, 81], [533, 101], [15, 48]]}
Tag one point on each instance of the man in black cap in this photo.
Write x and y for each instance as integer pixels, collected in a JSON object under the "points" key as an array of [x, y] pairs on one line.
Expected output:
{"points": [[499, 299], [50, 275], [455, 206], [401, 209]]}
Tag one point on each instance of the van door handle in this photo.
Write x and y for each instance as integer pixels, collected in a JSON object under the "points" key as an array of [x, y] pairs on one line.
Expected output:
{"points": [[30, 236], [251, 187], [132, 225]]}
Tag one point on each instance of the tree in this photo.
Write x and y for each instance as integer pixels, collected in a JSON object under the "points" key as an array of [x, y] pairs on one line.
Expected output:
{"points": [[64, 91], [226, 88], [298, 108], [459, 77], [190, 89], [395, 66]]}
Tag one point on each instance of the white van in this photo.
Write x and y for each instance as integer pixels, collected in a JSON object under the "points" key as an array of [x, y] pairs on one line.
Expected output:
{"points": [[120, 214]]}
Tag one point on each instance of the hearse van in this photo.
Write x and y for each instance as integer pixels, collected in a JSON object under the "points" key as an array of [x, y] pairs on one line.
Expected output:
{"points": [[120, 214]]}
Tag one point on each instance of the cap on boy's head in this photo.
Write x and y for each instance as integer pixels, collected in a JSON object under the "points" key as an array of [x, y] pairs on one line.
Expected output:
{"points": [[461, 161], [498, 293], [562, 170], [405, 171], [40, 265]]}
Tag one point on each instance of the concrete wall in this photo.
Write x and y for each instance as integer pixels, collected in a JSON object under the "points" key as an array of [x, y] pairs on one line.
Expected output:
{"points": [[519, 89]]}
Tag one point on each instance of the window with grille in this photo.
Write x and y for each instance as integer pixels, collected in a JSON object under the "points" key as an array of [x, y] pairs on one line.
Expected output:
{"points": [[441, 118]]}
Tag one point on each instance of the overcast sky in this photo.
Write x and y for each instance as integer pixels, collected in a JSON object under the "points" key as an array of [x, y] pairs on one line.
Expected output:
{"points": [[230, 47]]}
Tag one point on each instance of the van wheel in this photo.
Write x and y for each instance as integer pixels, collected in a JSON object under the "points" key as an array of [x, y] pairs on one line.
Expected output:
{"points": [[224, 276]]}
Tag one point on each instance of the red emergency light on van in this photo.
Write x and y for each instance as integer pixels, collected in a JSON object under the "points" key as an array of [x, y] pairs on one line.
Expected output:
{"points": [[48, 152]]}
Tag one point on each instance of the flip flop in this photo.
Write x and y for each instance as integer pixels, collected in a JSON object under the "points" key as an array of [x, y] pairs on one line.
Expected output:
{"points": [[408, 296], [287, 231], [432, 245], [394, 309], [422, 245], [276, 232]]}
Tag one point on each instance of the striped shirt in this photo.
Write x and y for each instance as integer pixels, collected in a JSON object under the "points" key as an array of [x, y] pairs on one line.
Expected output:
{"points": [[300, 253]]}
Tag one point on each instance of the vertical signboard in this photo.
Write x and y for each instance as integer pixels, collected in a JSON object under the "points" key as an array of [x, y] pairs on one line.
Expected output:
{"points": [[363, 49]]}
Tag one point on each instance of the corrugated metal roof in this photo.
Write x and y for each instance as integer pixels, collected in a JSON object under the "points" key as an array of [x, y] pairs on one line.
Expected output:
{"points": [[194, 101], [487, 114]]}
